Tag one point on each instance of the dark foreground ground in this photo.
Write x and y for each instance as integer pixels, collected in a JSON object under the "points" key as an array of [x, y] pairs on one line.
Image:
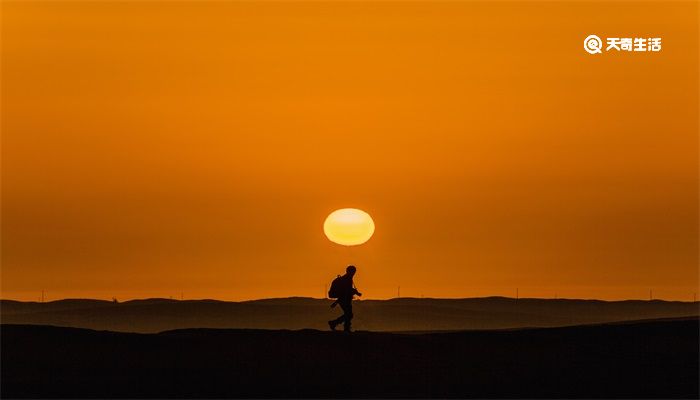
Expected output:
{"points": [[637, 359]]}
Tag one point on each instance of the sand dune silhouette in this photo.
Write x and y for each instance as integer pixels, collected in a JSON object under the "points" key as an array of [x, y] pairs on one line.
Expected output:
{"points": [[404, 314]]}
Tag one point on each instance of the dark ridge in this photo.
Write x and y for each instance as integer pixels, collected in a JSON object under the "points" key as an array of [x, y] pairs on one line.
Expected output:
{"points": [[401, 314]]}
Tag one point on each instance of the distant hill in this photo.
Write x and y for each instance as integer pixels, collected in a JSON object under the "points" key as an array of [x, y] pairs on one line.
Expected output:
{"points": [[648, 359], [403, 314]]}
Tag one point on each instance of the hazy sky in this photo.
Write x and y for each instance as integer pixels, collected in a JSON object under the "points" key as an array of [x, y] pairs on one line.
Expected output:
{"points": [[151, 149]]}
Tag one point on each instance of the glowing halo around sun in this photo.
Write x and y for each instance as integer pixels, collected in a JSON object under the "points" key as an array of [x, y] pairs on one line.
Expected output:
{"points": [[348, 226]]}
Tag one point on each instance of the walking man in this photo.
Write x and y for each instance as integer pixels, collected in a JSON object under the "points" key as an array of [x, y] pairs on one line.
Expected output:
{"points": [[343, 290]]}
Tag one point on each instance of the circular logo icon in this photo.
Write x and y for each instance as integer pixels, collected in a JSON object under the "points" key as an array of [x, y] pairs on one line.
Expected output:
{"points": [[592, 44]]}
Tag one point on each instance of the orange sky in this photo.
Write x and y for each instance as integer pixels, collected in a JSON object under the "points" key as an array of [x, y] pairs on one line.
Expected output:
{"points": [[157, 148]]}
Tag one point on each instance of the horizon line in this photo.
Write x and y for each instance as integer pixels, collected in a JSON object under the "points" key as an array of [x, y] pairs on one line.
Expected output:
{"points": [[115, 300]]}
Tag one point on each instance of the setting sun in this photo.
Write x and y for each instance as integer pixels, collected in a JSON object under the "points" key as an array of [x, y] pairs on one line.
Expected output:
{"points": [[348, 226]]}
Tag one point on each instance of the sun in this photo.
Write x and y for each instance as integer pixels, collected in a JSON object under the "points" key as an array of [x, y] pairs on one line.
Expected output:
{"points": [[348, 226]]}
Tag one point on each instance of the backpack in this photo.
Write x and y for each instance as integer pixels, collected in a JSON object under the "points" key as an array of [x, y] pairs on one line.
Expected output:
{"points": [[336, 288]]}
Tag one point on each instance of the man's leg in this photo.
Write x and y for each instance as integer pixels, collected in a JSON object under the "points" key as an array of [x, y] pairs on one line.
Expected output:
{"points": [[339, 320], [333, 323], [347, 314]]}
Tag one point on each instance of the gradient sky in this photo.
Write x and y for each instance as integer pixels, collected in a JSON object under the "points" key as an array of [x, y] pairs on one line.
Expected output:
{"points": [[151, 149]]}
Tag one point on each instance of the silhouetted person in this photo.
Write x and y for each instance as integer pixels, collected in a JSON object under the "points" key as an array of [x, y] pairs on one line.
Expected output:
{"points": [[343, 290]]}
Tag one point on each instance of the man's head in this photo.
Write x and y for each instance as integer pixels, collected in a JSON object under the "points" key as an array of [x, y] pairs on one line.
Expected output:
{"points": [[350, 270]]}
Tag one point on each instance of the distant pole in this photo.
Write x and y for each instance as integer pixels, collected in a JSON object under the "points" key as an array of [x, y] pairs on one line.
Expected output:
{"points": [[694, 294], [517, 293], [325, 291], [650, 295], [182, 296], [398, 292], [42, 295]]}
